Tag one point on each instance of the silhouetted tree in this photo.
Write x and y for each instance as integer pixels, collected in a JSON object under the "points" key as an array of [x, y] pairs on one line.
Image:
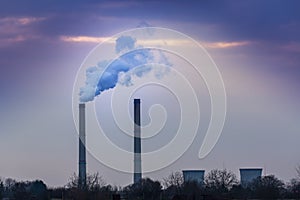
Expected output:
{"points": [[173, 184], [174, 179], [192, 190], [93, 182], [73, 190], [267, 187], [96, 188], [57, 193], [38, 190], [146, 189], [26, 190], [219, 182], [293, 189], [8, 186], [9, 183], [20, 191], [1, 188]]}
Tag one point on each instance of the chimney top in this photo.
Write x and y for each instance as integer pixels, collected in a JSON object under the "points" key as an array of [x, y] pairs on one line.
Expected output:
{"points": [[81, 105], [137, 100]]}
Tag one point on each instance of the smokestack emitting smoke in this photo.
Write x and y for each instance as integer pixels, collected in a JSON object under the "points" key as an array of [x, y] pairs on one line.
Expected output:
{"points": [[106, 74], [82, 152], [137, 142]]}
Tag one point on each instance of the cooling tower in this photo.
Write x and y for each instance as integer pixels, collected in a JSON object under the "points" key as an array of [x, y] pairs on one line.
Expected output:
{"points": [[82, 152], [137, 142], [193, 176], [249, 174]]}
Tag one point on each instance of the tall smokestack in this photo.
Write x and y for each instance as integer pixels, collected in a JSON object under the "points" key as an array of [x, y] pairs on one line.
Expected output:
{"points": [[82, 152], [137, 141]]}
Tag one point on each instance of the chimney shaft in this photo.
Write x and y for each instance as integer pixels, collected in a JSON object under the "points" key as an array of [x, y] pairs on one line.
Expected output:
{"points": [[137, 142], [82, 152]]}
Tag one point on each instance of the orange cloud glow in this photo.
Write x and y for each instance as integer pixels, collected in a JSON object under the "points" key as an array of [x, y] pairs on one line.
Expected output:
{"points": [[221, 45], [172, 42], [83, 39]]}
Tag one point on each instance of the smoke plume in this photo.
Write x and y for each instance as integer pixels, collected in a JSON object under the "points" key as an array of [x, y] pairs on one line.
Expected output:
{"points": [[106, 74]]}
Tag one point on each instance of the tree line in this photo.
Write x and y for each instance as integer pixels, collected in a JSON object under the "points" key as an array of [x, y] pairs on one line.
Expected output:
{"points": [[217, 184]]}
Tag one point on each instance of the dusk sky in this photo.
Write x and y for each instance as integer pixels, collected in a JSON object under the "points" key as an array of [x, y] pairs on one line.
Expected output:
{"points": [[255, 44]]}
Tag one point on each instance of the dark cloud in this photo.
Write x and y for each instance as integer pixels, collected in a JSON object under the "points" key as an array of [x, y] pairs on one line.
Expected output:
{"points": [[34, 7], [243, 20], [271, 26]]}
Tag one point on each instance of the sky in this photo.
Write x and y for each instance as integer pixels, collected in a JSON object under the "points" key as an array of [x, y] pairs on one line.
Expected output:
{"points": [[255, 44]]}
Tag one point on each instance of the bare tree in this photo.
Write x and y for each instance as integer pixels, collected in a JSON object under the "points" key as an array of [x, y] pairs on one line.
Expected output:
{"points": [[220, 180], [96, 188], [93, 182], [9, 183], [174, 179], [73, 181]]}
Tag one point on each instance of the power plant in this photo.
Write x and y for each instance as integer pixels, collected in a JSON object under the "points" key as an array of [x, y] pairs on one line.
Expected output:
{"points": [[249, 174], [82, 151], [193, 176], [137, 176]]}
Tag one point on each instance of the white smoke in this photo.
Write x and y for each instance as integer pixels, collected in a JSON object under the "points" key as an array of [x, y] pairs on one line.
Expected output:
{"points": [[120, 71]]}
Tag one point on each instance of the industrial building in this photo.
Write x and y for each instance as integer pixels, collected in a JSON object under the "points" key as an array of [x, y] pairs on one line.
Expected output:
{"points": [[249, 174], [193, 176]]}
